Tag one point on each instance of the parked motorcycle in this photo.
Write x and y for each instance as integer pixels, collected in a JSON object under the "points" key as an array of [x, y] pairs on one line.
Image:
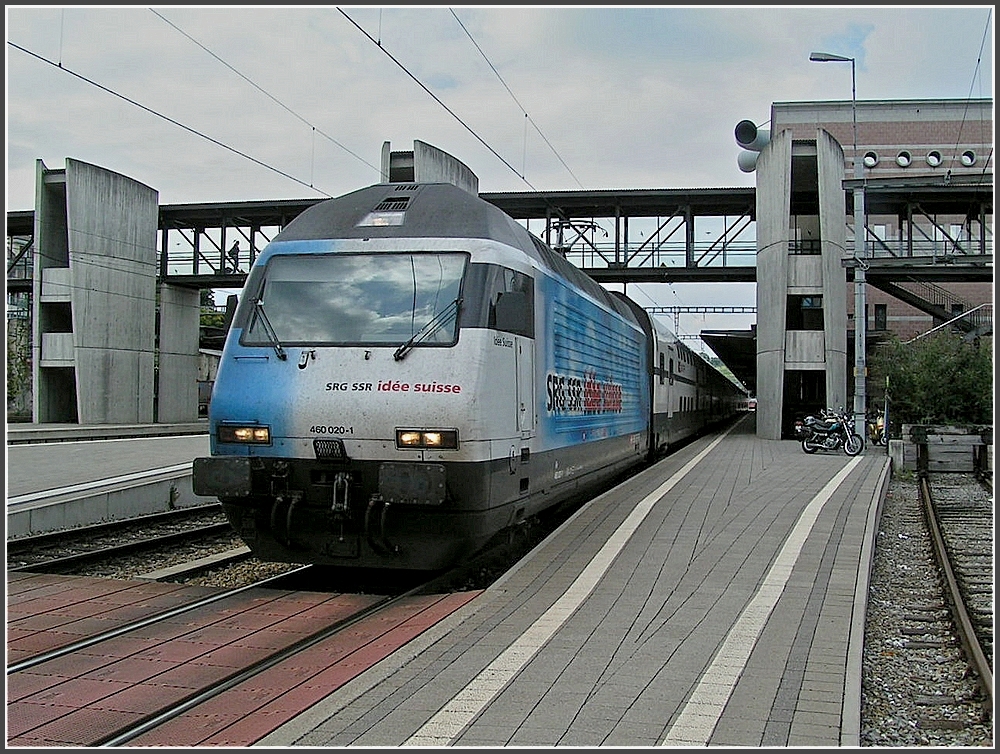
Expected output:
{"points": [[830, 431], [876, 428], [799, 429]]}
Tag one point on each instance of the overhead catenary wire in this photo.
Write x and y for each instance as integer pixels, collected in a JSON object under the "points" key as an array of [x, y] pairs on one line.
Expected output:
{"points": [[437, 99], [265, 92], [556, 210], [517, 102], [975, 76], [167, 118]]}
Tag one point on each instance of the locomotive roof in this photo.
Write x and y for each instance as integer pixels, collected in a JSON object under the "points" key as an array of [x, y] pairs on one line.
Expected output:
{"points": [[429, 210], [432, 210]]}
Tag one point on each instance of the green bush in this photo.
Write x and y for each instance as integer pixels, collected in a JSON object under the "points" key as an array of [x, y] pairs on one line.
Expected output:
{"points": [[940, 379]]}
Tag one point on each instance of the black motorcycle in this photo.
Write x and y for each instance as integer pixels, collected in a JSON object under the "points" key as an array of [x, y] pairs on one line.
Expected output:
{"points": [[800, 431], [829, 431]]}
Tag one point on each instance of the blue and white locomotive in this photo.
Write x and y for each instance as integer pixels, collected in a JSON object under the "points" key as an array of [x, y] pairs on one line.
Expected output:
{"points": [[409, 372]]}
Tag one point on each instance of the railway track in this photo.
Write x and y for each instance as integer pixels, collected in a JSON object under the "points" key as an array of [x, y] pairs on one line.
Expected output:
{"points": [[961, 529], [134, 682], [134, 625], [919, 686], [382, 616], [67, 551], [110, 529], [928, 630], [334, 632]]}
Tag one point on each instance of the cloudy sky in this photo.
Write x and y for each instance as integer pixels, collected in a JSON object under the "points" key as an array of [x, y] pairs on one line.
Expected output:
{"points": [[209, 104]]}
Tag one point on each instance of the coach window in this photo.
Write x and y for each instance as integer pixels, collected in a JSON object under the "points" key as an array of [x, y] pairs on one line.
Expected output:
{"points": [[662, 364]]}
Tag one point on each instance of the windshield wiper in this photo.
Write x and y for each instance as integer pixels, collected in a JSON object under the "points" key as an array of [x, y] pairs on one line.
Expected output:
{"points": [[436, 323], [258, 306]]}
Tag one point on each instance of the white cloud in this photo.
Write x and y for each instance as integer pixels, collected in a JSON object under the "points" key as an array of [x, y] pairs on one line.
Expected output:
{"points": [[629, 98], [632, 97]]}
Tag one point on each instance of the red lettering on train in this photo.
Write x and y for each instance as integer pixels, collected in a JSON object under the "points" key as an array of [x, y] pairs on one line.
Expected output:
{"points": [[589, 395]]}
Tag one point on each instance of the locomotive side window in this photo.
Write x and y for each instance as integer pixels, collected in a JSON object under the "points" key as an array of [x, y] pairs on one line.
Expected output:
{"points": [[499, 298], [371, 299]]}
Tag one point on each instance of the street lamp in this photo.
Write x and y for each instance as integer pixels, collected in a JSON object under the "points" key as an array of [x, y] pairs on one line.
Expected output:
{"points": [[827, 57], [860, 305]]}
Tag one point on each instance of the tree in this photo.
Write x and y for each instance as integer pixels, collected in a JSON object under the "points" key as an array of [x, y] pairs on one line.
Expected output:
{"points": [[939, 379], [716, 362], [211, 317]]}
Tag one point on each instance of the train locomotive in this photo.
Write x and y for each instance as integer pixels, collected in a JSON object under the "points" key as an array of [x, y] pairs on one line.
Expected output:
{"points": [[409, 371]]}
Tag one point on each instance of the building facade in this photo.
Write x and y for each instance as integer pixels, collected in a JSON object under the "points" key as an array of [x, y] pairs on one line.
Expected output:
{"points": [[816, 162]]}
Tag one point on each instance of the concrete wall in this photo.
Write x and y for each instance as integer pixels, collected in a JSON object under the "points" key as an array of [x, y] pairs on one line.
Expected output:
{"points": [[780, 274], [95, 286], [427, 164], [773, 207], [177, 373], [431, 165], [805, 274], [53, 389], [920, 126], [833, 232], [805, 349]]}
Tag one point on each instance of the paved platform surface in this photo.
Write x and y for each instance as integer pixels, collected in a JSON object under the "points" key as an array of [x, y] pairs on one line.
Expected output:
{"points": [[63, 475], [717, 598], [18, 433], [39, 460]]}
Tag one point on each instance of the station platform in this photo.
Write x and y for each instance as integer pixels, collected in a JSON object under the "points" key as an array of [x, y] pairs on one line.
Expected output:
{"points": [[717, 598], [65, 475], [22, 433]]}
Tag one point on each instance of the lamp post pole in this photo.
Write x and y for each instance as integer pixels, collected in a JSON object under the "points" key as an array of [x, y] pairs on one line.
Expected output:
{"points": [[860, 253]]}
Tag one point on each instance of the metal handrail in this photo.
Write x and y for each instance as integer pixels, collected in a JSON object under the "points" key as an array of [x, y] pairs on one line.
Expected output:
{"points": [[987, 308]]}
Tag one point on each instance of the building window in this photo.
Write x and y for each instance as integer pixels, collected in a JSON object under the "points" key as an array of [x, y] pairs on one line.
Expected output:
{"points": [[881, 316], [805, 246], [804, 313], [956, 309], [804, 235]]}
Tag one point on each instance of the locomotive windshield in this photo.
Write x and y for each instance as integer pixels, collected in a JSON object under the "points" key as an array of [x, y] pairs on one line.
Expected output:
{"points": [[369, 299]]}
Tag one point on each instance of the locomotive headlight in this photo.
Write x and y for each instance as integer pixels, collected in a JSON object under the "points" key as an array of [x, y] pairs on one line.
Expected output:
{"points": [[253, 434], [434, 439], [427, 439], [407, 439]]}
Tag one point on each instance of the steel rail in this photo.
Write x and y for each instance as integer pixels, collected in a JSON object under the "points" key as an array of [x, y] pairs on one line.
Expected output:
{"points": [[169, 713], [970, 642], [80, 558], [19, 544], [126, 628]]}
